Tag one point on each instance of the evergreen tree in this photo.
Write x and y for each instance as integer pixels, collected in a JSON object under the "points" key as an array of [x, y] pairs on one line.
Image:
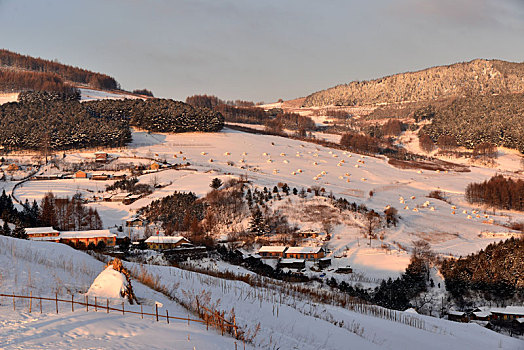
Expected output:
{"points": [[215, 183], [256, 224], [19, 232], [6, 230]]}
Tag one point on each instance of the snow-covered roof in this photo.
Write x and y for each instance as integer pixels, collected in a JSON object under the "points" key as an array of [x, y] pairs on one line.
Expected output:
{"points": [[303, 250], [40, 230], [291, 261], [165, 239], [510, 310], [121, 195], [520, 320], [482, 313], [272, 249], [86, 234], [456, 313], [411, 311]]}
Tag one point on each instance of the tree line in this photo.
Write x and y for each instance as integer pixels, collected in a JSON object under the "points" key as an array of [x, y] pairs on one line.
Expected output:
{"points": [[16, 81], [68, 214], [78, 75], [497, 192]]}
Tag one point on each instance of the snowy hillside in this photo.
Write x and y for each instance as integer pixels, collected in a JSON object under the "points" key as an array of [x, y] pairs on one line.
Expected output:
{"points": [[285, 322], [47, 268]]}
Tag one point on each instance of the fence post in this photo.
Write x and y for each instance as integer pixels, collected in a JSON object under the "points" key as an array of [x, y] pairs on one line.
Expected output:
{"points": [[141, 312], [95, 305], [30, 301], [167, 316], [72, 303], [56, 301], [14, 307], [107, 300], [40, 304], [87, 303], [123, 312], [156, 308]]}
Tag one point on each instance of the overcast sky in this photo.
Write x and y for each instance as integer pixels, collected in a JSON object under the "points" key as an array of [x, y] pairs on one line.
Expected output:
{"points": [[260, 50]]}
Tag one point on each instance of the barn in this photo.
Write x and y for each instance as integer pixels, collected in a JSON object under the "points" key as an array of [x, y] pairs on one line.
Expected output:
{"points": [[308, 253], [166, 242]]}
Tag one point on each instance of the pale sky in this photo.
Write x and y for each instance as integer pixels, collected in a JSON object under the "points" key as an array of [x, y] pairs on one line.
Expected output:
{"points": [[259, 50]]}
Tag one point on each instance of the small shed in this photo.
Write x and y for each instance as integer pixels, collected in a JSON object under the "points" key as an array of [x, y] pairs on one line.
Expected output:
{"points": [[344, 270], [298, 264], [324, 262], [154, 166], [13, 167], [100, 177]]}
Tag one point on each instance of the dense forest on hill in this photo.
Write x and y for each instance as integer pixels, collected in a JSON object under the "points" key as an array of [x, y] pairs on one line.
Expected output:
{"points": [[474, 120], [19, 63], [478, 77], [158, 115], [494, 273], [57, 124], [58, 121], [15, 81]]}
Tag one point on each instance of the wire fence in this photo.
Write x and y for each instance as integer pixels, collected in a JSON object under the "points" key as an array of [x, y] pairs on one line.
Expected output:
{"points": [[210, 317]]}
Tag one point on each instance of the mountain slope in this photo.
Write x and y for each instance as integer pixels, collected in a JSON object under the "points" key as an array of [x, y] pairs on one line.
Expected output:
{"points": [[461, 79]]}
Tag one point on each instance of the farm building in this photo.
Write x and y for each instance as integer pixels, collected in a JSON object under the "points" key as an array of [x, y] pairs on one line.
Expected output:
{"points": [[100, 177], [81, 174], [308, 253], [42, 234], [154, 166], [101, 156], [87, 237], [269, 251], [48, 177], [165, 242]]}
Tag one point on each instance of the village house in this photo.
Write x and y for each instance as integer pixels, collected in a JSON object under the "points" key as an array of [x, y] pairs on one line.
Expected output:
{"points": [[119, 197], [134, 222], [457, 316], [166, 242], [101, 156], [308, 253], [508, 313], [87, 237], [131, 198], [269, 251], [42, 234]]}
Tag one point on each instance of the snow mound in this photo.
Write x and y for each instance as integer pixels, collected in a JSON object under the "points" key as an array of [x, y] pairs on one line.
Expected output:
{"points": [[109, 284]]}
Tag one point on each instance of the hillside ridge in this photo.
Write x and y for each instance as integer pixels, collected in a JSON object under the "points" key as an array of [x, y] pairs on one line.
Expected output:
{"points": [[479, 76]]}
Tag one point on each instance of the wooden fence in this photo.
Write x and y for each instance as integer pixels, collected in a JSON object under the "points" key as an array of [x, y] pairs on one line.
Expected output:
{"points": [[210, 318]]}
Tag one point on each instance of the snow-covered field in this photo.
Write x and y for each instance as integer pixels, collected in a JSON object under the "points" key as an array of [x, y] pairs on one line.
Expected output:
{"points": [[91, 94], [268, 160]]}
